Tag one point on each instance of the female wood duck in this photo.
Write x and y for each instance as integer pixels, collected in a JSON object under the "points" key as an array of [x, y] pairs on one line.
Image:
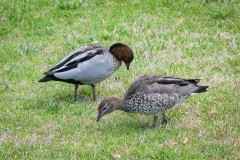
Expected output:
{"points": [[152, 95]]}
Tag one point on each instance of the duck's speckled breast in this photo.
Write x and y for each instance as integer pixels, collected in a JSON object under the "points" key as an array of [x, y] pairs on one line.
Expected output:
{"points": [[153, 104]]}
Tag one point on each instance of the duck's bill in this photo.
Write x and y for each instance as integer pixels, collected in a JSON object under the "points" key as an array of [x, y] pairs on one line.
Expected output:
{"points": [[99, 117], [127, 65]]}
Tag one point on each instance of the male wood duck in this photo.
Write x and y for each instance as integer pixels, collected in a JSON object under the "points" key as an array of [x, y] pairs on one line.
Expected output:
{"points": [[90, 65]]}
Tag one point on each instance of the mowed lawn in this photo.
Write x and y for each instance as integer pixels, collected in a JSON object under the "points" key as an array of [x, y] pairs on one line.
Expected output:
{"points": [[189, 39]]}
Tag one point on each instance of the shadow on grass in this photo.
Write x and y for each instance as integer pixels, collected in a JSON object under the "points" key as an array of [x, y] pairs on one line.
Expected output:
{"points": [[125, 127], [56, 103]]}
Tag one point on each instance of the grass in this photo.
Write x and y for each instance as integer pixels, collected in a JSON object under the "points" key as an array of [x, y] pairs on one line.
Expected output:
{"points": [[195, 39]]}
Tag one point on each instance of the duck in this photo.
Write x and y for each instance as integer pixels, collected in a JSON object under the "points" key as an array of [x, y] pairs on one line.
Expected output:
{"points": [[152, 95], [90, 65]]}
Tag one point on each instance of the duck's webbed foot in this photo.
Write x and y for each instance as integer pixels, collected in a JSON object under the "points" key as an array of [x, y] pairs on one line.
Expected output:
{"points": [[165, 119]]}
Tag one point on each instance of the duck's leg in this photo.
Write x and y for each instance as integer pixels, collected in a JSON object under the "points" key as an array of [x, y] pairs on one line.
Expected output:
{"points": [[75, 91], [155, 118], [93, 92], [165, 119]]}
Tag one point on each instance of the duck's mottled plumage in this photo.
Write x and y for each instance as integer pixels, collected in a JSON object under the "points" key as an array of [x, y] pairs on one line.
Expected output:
{"points": [[154, 95], [90, 65]]}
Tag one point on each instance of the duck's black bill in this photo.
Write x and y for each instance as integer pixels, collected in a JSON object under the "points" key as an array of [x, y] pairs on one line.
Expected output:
{"points": [[99, 117], [128, 66]]}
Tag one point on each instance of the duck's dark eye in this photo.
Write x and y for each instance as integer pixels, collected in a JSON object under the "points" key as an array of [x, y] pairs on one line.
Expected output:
{"points": [[129, 57], [104, 108]]}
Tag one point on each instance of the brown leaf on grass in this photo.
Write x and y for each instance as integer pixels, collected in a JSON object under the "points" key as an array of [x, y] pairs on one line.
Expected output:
{"points": [[18, 128], [173, 144], [116, 156], [213, 112], [160, 145], [90, 144], [185, 141]]}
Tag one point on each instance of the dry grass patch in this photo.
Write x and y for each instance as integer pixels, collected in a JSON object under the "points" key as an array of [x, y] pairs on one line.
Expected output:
{"points": [[191, 121]]}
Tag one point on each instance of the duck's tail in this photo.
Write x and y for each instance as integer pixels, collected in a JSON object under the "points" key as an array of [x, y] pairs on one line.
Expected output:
{"points": [[201, 89], [46, 78]]}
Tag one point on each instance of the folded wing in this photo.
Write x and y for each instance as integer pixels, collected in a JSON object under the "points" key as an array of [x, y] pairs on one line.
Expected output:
{"points": [[78, 54], [167, 85]]}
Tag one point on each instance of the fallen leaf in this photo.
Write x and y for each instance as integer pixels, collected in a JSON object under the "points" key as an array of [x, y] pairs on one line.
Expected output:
{"points": [[18, 128], [160, 145], [213, 112], [173, 144], [185, 141], [116, 156]]}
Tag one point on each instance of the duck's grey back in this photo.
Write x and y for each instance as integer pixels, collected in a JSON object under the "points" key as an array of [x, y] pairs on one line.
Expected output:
{"points": [[154, 94]]}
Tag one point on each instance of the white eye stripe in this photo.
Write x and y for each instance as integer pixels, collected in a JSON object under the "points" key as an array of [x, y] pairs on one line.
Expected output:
{"points": [[105, 107]]}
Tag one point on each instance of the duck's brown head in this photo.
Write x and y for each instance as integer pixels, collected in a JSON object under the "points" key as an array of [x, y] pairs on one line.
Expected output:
{"points": [[109, 105], [123, 53]]}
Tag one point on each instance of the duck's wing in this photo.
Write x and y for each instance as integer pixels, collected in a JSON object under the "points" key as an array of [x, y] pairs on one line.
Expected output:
{"points": [[168, 85], [90, 67], [80, 54], [163, 79], [173, 85]]}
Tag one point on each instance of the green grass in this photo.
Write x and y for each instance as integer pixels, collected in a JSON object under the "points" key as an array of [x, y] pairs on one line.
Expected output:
{"points": [[192, 39]]}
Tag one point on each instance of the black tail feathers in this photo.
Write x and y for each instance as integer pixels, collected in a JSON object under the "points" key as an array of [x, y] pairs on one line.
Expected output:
{"points": [[201, 89], [46, 78]]}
